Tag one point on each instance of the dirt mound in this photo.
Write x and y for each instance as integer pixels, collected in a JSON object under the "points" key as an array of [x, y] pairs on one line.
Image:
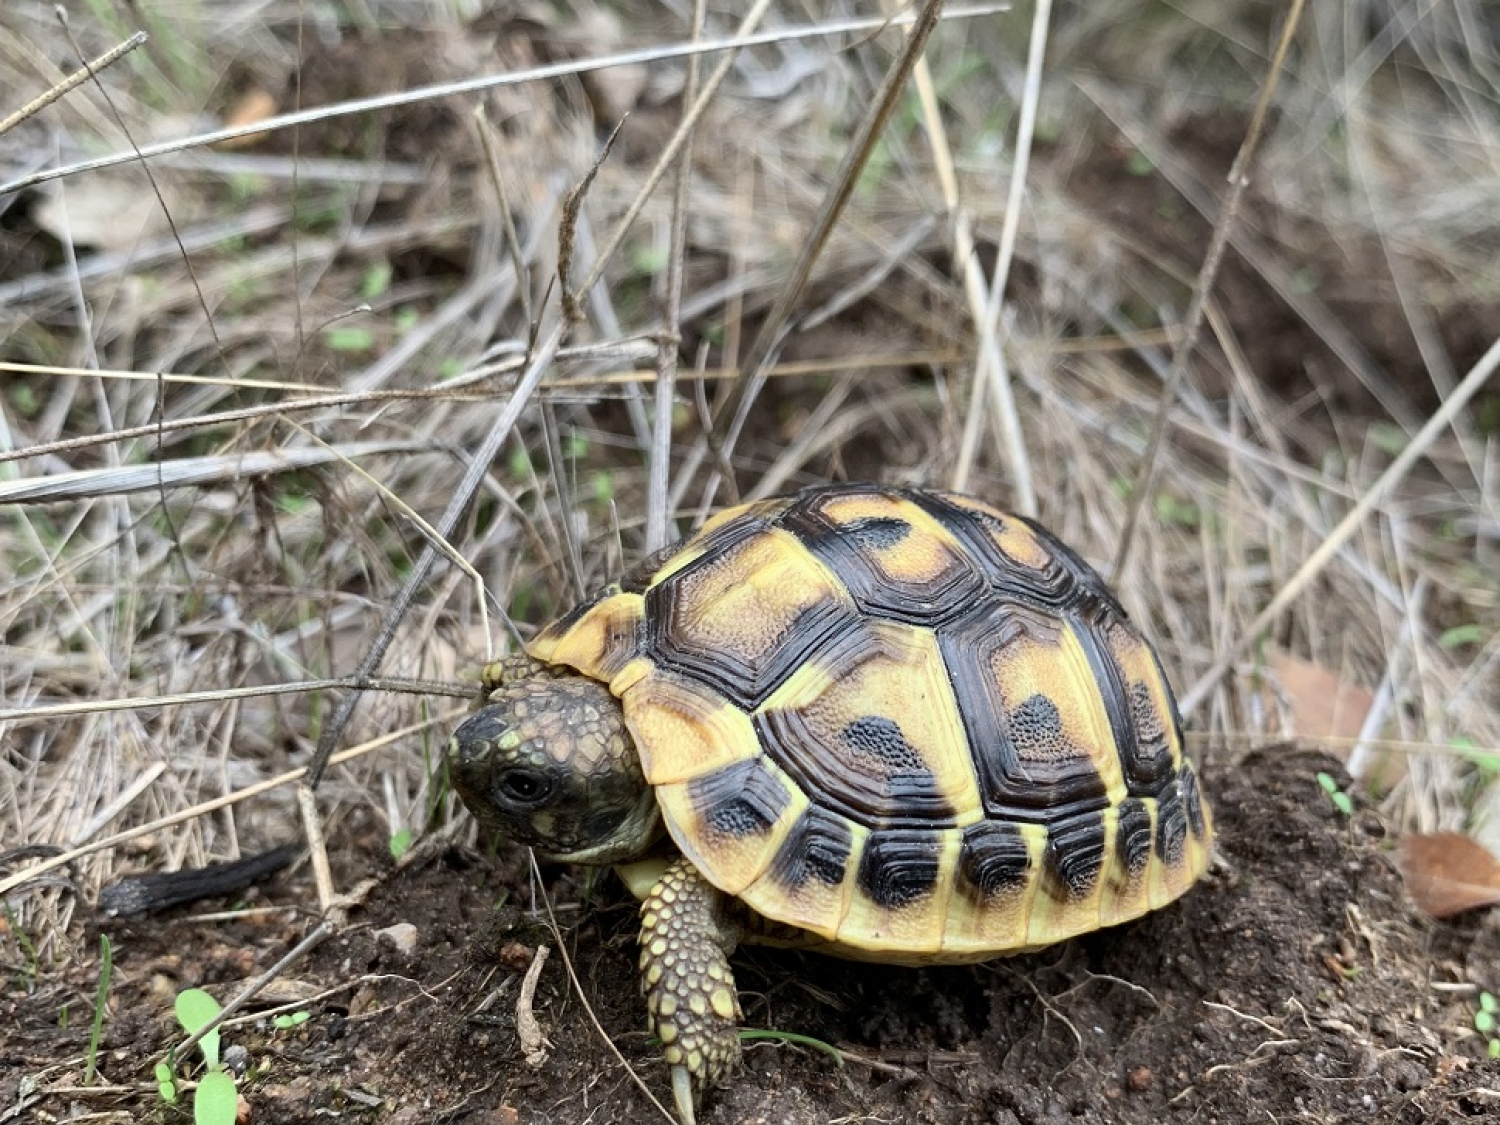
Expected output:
{"points": [[1295, 984]]}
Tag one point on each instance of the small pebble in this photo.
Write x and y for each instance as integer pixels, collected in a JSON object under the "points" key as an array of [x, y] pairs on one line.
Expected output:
{"points": [[402, 937], [1138, 1079]]}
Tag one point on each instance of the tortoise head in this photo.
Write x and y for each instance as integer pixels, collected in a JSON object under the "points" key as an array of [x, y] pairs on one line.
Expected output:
{"points": [[548, 762]]}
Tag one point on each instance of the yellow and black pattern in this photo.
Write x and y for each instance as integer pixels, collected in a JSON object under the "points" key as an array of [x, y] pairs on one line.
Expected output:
{"points": [[914, 725]]}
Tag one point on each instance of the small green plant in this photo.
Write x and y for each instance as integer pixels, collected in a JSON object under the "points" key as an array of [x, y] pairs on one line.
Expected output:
{"points": [[1485, 1022], [1461, 635], [350, 338], [215, 1101], [166, 1085], [33, 959], [376, 281], [101, 1001], [1339, 798], [289, 1020], [399, 843]]}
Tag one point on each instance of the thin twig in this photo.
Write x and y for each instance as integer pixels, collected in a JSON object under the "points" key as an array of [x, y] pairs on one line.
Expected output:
{"points": [[588, 1008], [73, 81], [992, 371], [658, 532], [253, 989], [203, 808]]}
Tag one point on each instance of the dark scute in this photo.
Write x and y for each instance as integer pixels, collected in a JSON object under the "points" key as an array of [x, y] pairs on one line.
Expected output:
{"points": [[1095, 598], [638, 578], [849, 549], [1075, 853], [743, 799], [874, 736], [816, 848], [877, 532], [1143, 713], [1012, 785], [1036, 724], [900, 865], [1171, 827], [746, 682], [1192, 800], [993, 857], [1133, 836]]}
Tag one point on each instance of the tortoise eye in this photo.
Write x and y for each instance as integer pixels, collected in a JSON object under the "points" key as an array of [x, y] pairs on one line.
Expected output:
{"points": [[524, 786]]}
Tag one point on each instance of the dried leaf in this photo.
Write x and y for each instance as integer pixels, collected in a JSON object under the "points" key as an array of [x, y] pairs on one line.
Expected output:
{"points": [[1324, 704], [253, 106], [1447, 873]]}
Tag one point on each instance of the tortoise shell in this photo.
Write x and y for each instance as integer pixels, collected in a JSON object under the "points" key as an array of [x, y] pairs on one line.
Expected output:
{"points": [[915, 726]]}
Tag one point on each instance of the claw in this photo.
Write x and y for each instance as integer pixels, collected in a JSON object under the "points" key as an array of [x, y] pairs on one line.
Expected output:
{"points": [[682, 1093]]}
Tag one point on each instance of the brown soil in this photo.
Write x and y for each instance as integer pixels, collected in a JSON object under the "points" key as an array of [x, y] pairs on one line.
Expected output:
{"points": [[1294, 985]]}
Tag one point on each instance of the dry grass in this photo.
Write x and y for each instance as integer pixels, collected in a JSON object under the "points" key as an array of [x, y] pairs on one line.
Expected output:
{"points": [[232, 418]]}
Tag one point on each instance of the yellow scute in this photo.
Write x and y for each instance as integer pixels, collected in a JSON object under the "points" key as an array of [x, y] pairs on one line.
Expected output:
{"points": [[600, 643], [684, 730], [747, 601]]}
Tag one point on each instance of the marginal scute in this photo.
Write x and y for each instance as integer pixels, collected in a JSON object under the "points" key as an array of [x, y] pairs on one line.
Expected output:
{"points": [[811, 877], [1075, 855], [1192, 801], [903, 883], [599, 641], [995, 860], [742, 799], [899, 866], [1132, 837]]}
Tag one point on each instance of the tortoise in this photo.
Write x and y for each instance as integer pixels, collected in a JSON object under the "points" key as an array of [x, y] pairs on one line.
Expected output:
{"points": [[885, 723]]}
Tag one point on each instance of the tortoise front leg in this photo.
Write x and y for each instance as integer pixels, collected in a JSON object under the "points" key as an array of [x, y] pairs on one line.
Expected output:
{"points": [[690, 995]]}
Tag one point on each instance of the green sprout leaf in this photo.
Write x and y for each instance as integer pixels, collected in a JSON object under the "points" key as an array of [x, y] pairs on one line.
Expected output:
{"points": [[166, 1085], [400, 842], [1461, 635], [1484, 1022], [1339, 798], [349, 339], [216, 1100], [376, 281], [289, 1020], [195, 1008], [101, 1002]]}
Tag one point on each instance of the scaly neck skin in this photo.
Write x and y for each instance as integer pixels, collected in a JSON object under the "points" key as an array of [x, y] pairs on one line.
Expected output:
{"points": [[549, 762]]}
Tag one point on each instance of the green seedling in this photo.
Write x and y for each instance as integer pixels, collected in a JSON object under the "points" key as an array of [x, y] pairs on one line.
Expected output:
{"points": [[376, 281], [1485, 1020], [1339, 798], [349, 339], [289, 1020], [101, 1000], [166, 1084], [215, 1101], [400, 842]]}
